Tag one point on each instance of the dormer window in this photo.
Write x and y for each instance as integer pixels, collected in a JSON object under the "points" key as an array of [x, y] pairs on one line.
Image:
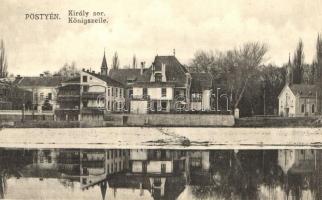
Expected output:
{"points": [[158, 77]]}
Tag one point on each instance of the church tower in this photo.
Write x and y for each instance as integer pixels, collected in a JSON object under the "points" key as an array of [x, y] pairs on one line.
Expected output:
{"points": [[289, 72], [104, 68]]}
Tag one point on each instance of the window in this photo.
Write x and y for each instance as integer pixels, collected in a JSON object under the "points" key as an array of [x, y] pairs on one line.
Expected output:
{"points": [[108, 105], [120, 92], [164, 92], [85, 79], [112, 91], [158, 77], [313, 108], [302, 108], [41, 97], [164, 105], [130, 92], [50, 96], [116, 92], [108, 154], [35, 97], [145, 91]]}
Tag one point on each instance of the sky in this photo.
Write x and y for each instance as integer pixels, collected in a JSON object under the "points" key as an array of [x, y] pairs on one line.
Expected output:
{"points": [[148, 28]]}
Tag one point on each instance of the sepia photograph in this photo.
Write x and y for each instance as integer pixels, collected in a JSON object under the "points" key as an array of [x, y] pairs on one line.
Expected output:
{"points": [[154, 99]]}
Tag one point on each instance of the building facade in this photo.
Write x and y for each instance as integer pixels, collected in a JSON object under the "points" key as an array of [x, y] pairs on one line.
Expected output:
{"points": [[299, 100], [90, 96]]}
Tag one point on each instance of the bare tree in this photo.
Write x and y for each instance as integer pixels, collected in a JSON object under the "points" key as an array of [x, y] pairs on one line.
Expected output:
{"points": [[3, 61], [115, 61], [248, 59], [134, 62], [68, 70]]}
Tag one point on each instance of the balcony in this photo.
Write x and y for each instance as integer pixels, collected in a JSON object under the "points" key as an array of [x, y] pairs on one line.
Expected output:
{"points": [[93, 95]]}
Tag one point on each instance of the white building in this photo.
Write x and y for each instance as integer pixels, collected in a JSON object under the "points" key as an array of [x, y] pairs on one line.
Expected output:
{"points": [[299, 100]]}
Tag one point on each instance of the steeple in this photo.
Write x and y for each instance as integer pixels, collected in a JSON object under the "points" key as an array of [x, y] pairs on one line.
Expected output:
{"points": [[104, 66]]}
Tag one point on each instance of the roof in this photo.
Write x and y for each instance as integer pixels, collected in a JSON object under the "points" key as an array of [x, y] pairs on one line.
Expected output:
{"points": [[123, 75], [107, 79], [104, 63], [52, 81], [73, 80], [304, 90], [200, 82], [175, 72]]}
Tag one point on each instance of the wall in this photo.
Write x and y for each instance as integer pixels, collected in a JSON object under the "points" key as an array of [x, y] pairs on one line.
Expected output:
{"points": [[206, 94], [180, 120], [287, 100], [139, 107], [137, 167], [155, 93], [155, 166], [138, 154]]}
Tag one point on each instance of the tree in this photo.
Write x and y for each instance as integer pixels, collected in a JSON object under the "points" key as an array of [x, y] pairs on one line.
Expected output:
{"points": [[3, 61], [68, 70], [248, 60], [317, 63], [134, 62], [298, 62], [235, 70], [115, 61]]}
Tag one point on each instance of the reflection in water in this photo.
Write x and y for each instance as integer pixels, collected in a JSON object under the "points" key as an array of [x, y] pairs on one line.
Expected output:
{"points": [[160, 174]]}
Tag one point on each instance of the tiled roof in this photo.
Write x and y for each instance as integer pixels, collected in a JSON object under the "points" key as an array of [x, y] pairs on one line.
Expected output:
{"points": [[304, 89], [123, 75], [175, 72], [40, 81], [73, 80], [107, 79], [200, 82]]}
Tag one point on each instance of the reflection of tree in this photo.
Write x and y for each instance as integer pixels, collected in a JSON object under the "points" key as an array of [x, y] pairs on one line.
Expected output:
{"points": [[240, 175]]}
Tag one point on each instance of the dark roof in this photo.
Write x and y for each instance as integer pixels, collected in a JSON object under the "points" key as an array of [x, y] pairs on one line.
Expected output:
{"points": [[73, 80], [123, 75], [40, 81], [104, 63], [175, 72], [304, 90], [200, 82], [107, 79]]}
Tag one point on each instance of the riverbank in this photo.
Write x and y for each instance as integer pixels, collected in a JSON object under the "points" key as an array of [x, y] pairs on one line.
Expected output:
{"points": [[169, 137], [271, 122]]}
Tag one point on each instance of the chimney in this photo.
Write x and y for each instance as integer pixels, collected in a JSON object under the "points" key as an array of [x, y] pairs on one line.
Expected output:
{"points": [[164, 79], [174, 52]]}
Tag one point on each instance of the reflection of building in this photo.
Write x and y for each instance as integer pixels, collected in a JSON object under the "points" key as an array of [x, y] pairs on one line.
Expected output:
{"points": [[297, 161], [97, 165], [155, 161]]}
